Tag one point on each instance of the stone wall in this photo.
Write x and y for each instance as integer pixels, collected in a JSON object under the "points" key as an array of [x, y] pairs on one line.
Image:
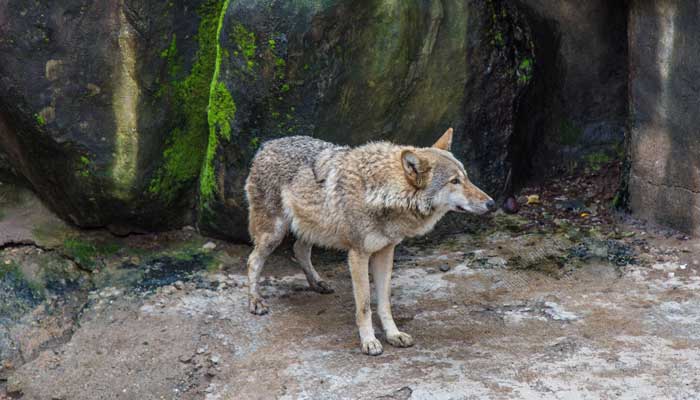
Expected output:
{"points": [[664, 92]]}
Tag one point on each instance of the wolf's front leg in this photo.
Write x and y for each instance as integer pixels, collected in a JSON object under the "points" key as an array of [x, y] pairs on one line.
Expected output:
{"points": [[358, 262], [382, 263]]}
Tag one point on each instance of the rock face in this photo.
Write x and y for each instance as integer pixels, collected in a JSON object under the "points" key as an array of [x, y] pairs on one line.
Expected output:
{"points": [[90, 113], [664, 148], [350, 72], [131, 114], [575, 113]]}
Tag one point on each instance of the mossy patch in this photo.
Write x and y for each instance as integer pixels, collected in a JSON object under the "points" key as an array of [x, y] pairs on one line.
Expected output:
{"points": [[524, 71], [596, 161], [245, 44], [221, 112], [83, 168], [186, 149], [40, 120], [87, 253]]}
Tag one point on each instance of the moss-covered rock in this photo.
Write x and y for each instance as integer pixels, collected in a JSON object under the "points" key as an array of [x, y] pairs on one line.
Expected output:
{"points": [[104, 105], [351, 72], [130, 114]]}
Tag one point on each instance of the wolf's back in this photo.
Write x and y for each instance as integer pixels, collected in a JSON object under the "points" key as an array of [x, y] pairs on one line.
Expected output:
{"points": [[276, 164]]}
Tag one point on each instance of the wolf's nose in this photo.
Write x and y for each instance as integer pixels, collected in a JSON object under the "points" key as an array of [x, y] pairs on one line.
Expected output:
{"points": [[491, 205]]}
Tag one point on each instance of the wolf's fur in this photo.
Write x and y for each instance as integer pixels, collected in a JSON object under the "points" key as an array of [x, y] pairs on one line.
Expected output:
{"points": [[364, 200]]}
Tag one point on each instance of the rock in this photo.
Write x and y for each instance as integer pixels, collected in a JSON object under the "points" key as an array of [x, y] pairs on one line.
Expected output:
{"points": [[126, 116], [209, 246], [664, 148], [444, 268], [93, 114], [328, 71], [574, 205], [402, 394], [185, 358], [14, 386], [557, 312]]}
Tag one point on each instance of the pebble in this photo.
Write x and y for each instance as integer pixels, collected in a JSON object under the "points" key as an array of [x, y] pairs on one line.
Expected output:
{"points": [[209, 246], [215, 358], [185, 358], [201, 350], [179, 285], [444, 268]]}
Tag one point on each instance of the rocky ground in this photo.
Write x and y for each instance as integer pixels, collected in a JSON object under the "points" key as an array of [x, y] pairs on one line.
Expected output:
{"points": [[563, 300]]}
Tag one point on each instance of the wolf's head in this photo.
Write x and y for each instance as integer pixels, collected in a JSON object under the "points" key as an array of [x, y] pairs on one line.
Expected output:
{"points": [[436, 172]]}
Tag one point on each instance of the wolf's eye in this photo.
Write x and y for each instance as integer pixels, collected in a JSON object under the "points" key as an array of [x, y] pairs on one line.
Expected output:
{"points": [[455, 181]]}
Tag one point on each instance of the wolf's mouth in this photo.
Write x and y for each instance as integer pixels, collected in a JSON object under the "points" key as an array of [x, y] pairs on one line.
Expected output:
{"points": [[461, 209]]}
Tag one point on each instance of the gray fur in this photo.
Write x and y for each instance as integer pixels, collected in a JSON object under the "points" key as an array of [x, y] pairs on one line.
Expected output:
{"points": [[364, 200]]}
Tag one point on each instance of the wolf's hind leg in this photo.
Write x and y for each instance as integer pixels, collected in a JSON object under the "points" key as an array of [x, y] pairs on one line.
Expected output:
{"points": [[381, 264], [265, 244], [302, 252]]}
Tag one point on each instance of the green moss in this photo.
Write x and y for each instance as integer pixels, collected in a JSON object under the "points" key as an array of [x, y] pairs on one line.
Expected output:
{"points": [[187, 146], [595, 161], [86, 253], [222, 109], [245, 44], [280, 66], [40, 120], [173, 61], [498, 39], [83, 166], [524, 71], [221, 112]]}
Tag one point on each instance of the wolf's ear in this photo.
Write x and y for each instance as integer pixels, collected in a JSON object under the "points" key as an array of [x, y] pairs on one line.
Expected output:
{"points": [[416, 169], [445, 141]]}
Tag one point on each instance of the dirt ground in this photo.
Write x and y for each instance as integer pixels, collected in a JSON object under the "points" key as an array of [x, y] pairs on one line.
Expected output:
{"points": [[556, 302]]}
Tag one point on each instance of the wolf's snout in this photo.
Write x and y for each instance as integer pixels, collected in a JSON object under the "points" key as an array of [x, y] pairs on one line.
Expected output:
{"points": [[491, 205]]}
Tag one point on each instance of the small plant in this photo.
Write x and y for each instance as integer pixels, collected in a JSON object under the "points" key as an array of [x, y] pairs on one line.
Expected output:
{"points": [[40, 120], [525, 71]]}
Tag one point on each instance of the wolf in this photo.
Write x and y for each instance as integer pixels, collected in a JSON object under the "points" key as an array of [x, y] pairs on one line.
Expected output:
{"points": [[364, 200]]}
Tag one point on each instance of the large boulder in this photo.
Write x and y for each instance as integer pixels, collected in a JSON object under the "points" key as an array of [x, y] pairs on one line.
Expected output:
{"points": [[350, 72], [131, 114], [664, 145], [106, 123]]}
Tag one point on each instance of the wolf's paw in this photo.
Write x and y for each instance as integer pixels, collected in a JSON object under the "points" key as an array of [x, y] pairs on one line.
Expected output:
{"points": [[372, 347], [400, 340], [257, 306], [322, 287]]}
